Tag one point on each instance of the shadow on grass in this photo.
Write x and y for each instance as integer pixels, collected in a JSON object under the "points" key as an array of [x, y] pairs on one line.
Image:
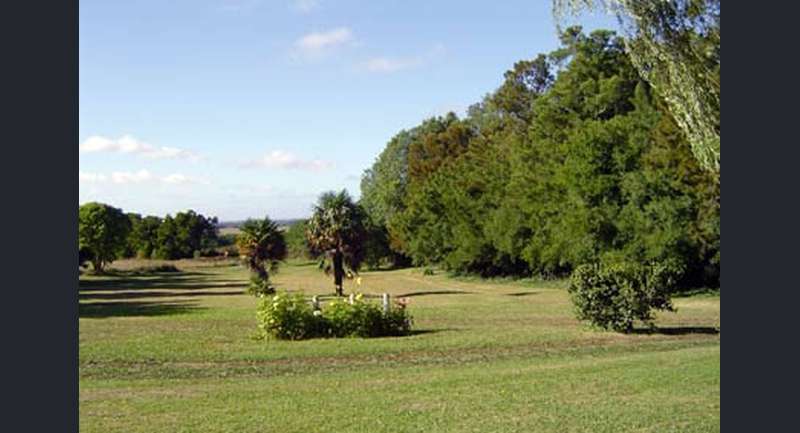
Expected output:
{"points": [[128, 309], [412, 333], [161, 282], [678, 330], [703, 291], [151, 294], [434, 292], [522, 294]]}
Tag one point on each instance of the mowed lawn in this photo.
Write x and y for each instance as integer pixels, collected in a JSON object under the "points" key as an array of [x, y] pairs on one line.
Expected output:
{"points": [[174, 352]]}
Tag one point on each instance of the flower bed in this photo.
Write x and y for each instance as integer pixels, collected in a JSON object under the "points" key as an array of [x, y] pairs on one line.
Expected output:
{"points": [[288, 316]]}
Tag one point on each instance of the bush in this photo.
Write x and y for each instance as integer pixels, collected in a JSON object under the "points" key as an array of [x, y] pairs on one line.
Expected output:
{"points": [[291, 317], [614, 296], [287, 317], [259, 286]]}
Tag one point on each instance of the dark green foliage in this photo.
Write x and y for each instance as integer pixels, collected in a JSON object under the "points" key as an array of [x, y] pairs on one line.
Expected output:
{"points": [[143, 239], [287, 317], [291, 317], [84, 257], [102, 233], [549, 172], [262, 245], [154, 269], [178, 237], [296, 241], [337, 234], [614, 296]]}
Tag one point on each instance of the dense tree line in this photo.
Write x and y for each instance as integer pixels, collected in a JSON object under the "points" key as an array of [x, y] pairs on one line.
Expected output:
{"points": [[106, 233], [573, 159]]}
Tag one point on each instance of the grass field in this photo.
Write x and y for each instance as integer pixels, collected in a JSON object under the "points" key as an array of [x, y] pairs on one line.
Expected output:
{"points": [[174, 352]]}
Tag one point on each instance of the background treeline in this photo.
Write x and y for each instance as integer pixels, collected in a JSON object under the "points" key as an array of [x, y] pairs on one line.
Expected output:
{"points": [[185, 235], [106, 233], [572, 160]]}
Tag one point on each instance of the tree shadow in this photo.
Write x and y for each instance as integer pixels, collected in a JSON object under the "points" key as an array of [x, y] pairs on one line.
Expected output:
{"points": [[702, 291], [152, 294], [101, 310], [414, 332], [522, 294], [434, 292], [173, 282], [678, 330]]}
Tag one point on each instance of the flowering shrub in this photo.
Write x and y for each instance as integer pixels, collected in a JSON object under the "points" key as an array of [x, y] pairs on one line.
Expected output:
{"points": [[287, 317], [291, 317]]}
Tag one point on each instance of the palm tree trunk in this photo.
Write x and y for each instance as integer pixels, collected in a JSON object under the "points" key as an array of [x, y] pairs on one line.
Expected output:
{"points": [[338, 271]]}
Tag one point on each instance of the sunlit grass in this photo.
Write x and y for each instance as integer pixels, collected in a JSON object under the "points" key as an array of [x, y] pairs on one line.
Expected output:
{"points": [[173, 352]]}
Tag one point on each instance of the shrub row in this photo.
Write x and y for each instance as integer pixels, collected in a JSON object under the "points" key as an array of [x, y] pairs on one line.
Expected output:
{"points": [[613, 296], [288, 316]]}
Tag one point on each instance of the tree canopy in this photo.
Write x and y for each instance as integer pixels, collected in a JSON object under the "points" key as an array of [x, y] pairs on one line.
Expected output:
{"points": [[103, 232], [336, 232], [675, 46], [573, 159]]}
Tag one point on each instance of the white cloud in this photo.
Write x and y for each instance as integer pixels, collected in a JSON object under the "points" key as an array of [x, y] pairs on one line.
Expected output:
{"points": [[394, 64], [305, 6], [85, 177], [317, 44], [286, 160], [384, 64], [131, 177], [136, 177], [130, 145]]}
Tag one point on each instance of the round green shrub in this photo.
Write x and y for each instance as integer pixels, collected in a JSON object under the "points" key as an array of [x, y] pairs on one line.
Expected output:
{"points": [[614, 296]]}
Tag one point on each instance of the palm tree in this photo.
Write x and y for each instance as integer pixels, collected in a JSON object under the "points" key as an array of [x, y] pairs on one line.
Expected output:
{"points": [[262, 246], [336, 232]]}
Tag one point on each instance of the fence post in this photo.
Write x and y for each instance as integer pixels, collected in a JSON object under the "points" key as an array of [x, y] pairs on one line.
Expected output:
{"points": [[352, 298], [315, 302], [385, 303]]}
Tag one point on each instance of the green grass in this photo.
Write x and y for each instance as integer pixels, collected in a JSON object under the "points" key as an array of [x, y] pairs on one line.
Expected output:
{"points": [[174, 353]]}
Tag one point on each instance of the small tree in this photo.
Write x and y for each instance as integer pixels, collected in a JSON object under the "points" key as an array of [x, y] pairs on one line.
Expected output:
{"points": [[262, 246], [614, 296], [336, 233], [102, 232]]}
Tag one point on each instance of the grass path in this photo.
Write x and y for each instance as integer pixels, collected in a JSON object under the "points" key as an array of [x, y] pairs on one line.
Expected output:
{"points": [[173, 353]]}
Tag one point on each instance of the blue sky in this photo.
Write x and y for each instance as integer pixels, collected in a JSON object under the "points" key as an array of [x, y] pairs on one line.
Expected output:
{"points": [[241, 108]]}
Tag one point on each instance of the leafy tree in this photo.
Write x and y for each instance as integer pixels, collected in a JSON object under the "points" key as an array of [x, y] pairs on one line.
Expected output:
{"points": [[336, 231], [167, 240], [103, 232], [144, 236], [131, 244], [263, 246], [185, 235], [84, 257], [441, 140], [557, 171], [296, 240], [383, 192], [195, 233], [675, 46]]}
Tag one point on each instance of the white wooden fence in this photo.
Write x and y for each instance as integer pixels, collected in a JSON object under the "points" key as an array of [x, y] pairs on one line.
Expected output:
{"points": [[384, 297]]}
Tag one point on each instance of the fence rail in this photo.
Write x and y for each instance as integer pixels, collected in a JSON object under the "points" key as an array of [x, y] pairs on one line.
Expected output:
{"points": [[384, 297]]}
